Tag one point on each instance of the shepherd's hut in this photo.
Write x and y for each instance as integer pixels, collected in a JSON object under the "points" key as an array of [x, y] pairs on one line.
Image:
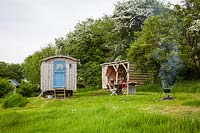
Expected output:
{"points": [[58, 76], [123, 71]]}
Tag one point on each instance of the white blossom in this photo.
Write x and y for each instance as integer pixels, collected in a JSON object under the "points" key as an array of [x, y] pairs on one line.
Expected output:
{"points": [[195, 26], [129, 13]]}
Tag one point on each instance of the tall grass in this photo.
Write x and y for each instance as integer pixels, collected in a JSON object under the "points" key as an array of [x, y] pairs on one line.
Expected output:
{"points": [[150, 88], [188, 86], [100, 119]]}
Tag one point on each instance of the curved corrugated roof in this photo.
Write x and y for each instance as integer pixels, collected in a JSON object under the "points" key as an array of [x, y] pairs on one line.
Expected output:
{"points": [[60, 56]]}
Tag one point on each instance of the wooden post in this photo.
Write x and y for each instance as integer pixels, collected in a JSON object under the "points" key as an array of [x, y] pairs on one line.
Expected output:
{"points": [[125, 67], [128, 68], [116, 70], [117, 74]]}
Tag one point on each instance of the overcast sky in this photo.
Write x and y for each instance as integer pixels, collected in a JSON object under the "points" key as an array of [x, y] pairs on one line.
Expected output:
{"points": [[28, 25]]}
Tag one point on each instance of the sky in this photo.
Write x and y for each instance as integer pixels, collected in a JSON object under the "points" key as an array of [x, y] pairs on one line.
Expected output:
{"points": [[29, 25]]}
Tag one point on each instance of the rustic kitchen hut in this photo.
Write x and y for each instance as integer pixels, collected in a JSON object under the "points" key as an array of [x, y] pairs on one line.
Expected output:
{"points": [[123, 71], [58, 76]]}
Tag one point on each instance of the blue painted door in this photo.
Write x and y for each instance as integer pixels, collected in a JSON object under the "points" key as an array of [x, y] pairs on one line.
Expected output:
{"points": [[59, 74]]}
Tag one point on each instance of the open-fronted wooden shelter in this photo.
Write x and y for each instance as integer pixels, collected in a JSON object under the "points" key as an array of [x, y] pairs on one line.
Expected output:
{"points": [[123, 71], [58, 75]]}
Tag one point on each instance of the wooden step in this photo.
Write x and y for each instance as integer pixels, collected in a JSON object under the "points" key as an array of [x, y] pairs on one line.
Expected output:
{"points": [[60, 93]]}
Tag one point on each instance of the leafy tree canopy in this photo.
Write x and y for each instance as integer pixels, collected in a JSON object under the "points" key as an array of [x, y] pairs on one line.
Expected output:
{"points": [[155, 42], [129, 16], [189, 18], [91, 42], [11, 71]]}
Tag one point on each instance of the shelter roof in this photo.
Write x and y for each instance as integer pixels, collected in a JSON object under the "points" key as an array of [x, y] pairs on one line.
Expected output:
{"points": [[115, 62], [14, 82]]}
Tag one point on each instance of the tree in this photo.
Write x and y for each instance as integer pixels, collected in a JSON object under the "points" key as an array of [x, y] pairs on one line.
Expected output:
{"points": [[106, 39], [129, 16], [5, 87], [189, 17], [155, 43], [3, 70], [11, 71], [93, 42], [32, 63], [60, 50], [90, 41], [16, 71]]}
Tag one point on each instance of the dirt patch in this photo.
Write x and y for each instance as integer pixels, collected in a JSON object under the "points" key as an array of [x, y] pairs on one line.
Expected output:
{"points": [[171, 110]]}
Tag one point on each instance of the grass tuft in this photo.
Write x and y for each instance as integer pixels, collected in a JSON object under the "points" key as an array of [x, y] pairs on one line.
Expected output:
{"points": [[14, 100]]}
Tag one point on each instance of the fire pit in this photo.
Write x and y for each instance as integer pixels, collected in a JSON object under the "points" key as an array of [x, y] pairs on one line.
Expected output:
{"points": [[167, 91]]}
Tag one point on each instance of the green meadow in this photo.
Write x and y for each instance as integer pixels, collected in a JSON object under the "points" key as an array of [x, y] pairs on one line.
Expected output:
{"points": [[91, 111]]}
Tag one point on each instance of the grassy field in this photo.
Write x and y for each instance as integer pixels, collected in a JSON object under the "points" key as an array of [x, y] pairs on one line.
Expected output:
{"points": [[96, 111]]}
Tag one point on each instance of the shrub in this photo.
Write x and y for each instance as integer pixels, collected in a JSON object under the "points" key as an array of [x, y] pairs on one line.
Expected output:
{"points": [[5, 87], [14, 100], [90, 74], [28, 89]]}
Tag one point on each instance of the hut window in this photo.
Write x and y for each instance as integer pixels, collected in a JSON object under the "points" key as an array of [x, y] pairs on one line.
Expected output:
{"points": [[70, 65], [59, 66]]}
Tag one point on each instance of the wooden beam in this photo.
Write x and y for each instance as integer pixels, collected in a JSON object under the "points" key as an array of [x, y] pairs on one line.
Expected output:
{"points": [[115, 66], [116, 77], [128, 75], [124, 67]]}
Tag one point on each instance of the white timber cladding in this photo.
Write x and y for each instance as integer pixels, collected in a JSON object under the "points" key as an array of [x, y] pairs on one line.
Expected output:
{"points": [[104, 77], [41, 76], [47, 73]]}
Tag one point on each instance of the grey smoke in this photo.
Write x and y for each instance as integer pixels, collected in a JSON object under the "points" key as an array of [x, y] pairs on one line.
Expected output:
{"points": [[171, 66]]}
